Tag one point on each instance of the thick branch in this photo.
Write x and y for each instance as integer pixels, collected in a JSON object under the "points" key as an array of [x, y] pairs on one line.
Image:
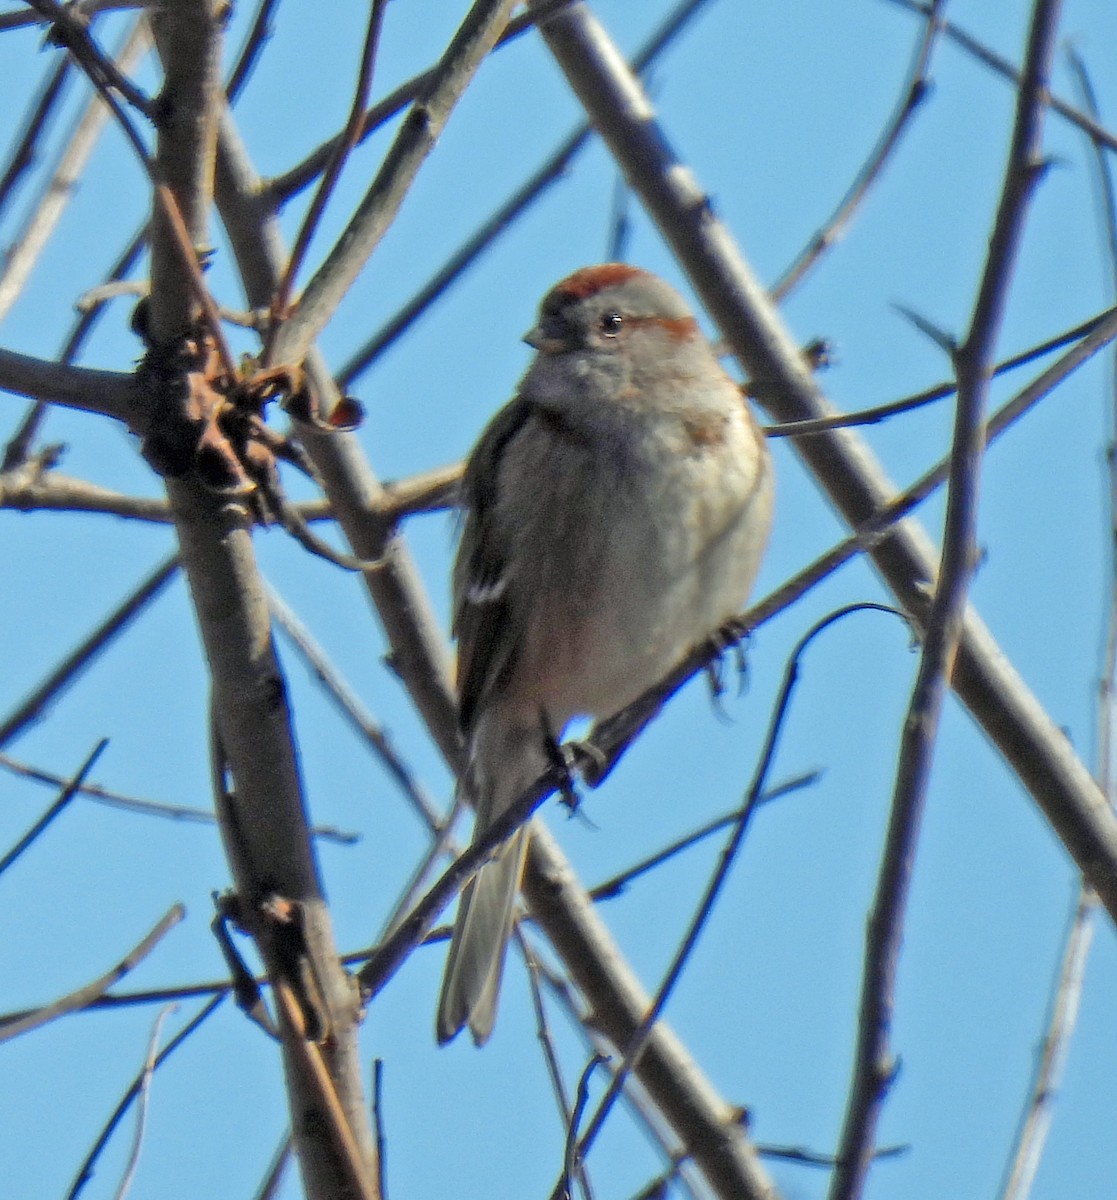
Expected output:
{"points": [[264, 822], [110, 393]]}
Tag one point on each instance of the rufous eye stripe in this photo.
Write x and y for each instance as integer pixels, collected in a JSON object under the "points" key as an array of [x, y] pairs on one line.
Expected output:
{"points": [[679, 328]]}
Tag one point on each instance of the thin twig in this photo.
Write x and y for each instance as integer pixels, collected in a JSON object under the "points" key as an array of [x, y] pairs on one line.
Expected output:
{"points": [[811, 1158], [85, 1171], [348, 140], [141, 1105], [86, 996], [422, 126], [25, 150], [640, 1106], [940, 391], [717, 880], [254, 42], [348, 703], [610, 888], [442, 845], [1062, 1015], [393, 951], [153, 808], [121, 268], [572, 1159], [1103, 177], [269, 1185], [55, 810], [916, 90], [874, 1067], [31, 708], [542, 1026]]}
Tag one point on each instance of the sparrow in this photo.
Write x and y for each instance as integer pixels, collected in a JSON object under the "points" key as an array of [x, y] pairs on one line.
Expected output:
{"points": [[615, 514]]}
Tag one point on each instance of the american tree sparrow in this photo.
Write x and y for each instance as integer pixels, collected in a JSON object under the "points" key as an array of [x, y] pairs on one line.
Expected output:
{"points": [[616, 510]]}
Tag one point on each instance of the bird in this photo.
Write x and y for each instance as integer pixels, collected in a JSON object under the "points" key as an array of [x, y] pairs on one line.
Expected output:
{"points": [[615, 512]]}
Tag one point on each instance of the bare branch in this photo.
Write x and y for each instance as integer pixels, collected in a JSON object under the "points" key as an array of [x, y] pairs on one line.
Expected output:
{"points": [[25, 150], [349, 137], [254, 43], [85, 1171], [874, 1067], [110, 393], [422, 126], [86, 995], [279, 190], [1006, 70], [148, 1072], [610, 888], [70, 30], [68, 792], [152, 808], [1031, 1137], [257, 778], [940, 391], [57, 189], [916, 90], [350, 706], [31, 708], [82, 8], [269, 1185]]}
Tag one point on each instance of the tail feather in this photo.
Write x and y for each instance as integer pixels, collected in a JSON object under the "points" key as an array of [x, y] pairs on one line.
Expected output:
{"points": [[471, 985]]}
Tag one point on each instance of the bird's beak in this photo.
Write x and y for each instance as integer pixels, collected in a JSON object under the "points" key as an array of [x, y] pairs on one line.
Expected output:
{"points": [[545, 338]]}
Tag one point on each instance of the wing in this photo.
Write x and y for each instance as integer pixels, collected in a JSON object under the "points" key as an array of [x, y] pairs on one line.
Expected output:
{"points": [[486, 624]]}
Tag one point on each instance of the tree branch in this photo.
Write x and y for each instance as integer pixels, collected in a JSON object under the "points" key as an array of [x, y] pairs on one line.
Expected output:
{"points": [[263, 814], [421, 129], [874, 1067]]}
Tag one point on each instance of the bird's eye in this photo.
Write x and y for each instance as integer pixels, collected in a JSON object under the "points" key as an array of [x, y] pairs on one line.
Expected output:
{"points": [[611, 324]]}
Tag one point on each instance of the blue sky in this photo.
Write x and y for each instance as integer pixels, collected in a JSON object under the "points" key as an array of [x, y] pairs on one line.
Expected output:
{"points": [[775, 107]]}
